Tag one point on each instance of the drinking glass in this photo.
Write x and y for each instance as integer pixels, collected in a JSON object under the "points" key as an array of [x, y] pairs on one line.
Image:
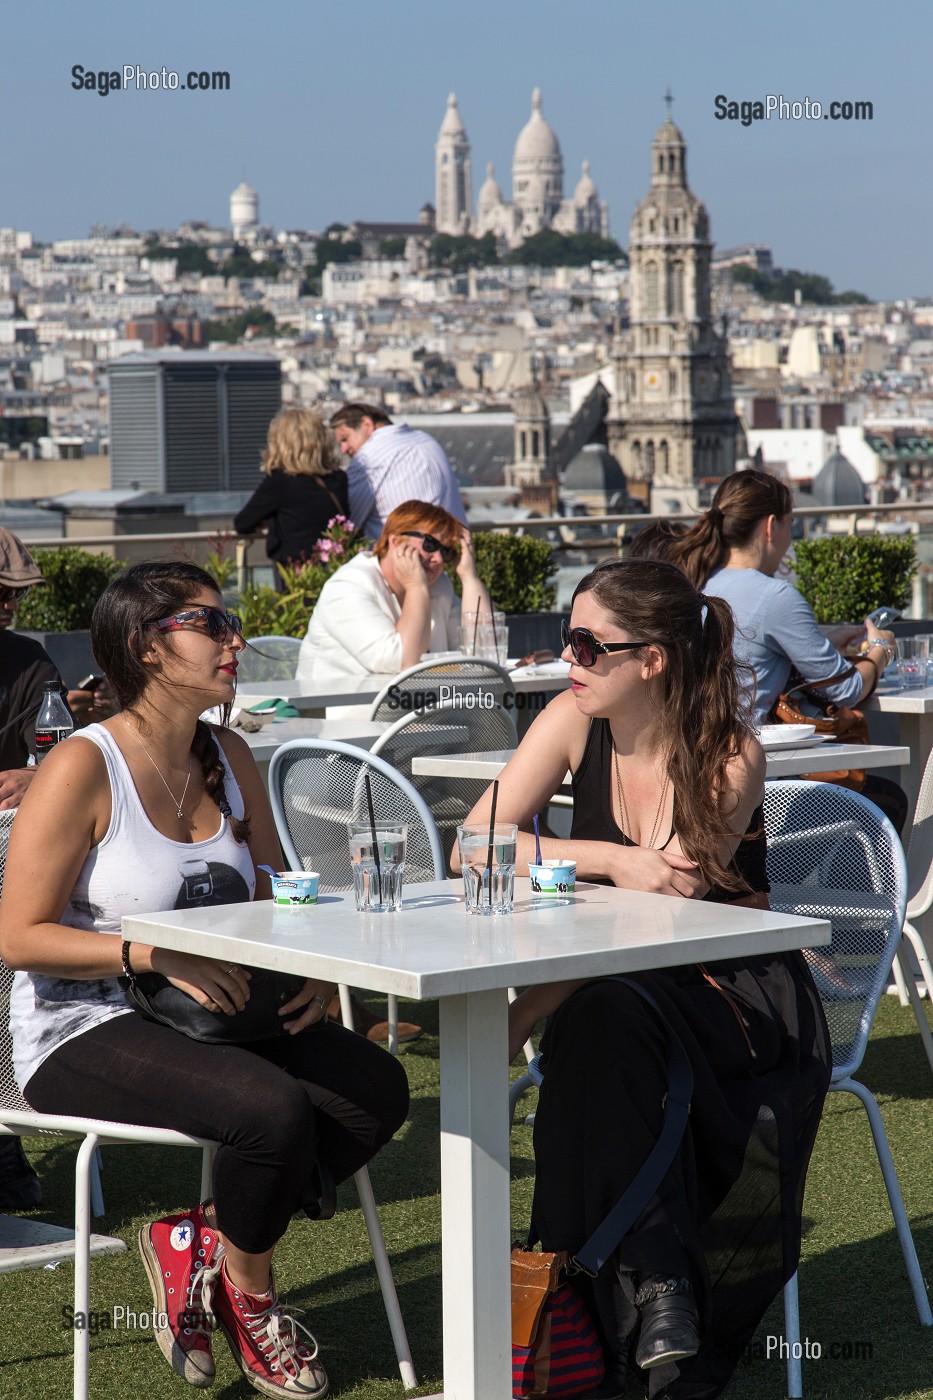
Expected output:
{"points": [[378, 887], [488, 877], [481, 638], [912, 656]]}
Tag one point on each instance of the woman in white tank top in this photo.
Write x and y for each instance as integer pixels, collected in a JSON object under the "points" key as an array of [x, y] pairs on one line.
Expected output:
{"points": [[153, 809]]}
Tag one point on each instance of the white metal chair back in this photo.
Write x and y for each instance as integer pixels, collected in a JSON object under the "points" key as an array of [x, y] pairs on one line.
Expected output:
{"points": [[433, 683], [833, 855], [269, 659], [317, 786], [448, 729], [10, 1096]]}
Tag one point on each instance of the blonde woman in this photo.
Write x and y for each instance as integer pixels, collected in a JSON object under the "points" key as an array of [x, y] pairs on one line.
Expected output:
{"points": [[303, 487]]}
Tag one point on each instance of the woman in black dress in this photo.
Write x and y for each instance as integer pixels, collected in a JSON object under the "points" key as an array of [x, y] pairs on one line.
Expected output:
{"points": [[668, 786], [302, 489]]}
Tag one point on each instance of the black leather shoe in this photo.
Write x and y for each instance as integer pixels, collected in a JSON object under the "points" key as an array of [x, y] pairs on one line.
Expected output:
{"points": [[669, 1328], [19, 1184]]}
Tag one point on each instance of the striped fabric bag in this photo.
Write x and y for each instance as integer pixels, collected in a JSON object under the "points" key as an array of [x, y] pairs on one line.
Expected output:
{"points": [[555, 1349]]}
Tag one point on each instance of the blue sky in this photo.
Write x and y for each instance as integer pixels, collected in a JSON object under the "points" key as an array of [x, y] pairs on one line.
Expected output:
{"points": [[334, 108]]}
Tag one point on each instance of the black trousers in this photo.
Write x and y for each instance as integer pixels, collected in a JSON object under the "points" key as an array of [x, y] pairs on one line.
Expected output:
{"points": [[275, 1107]]}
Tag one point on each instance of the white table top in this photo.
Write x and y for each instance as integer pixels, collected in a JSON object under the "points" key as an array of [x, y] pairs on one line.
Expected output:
{"points": [[901, 702], [265, 741], [783, 763], [433, 948]]}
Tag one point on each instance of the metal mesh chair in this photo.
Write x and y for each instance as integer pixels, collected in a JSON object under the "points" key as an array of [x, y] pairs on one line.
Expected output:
{"points": [[433, 683], [269, 659], [316, 787], [833, 855], [451, 728]]}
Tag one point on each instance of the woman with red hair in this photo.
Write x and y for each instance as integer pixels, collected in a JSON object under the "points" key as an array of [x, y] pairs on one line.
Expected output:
{"points": [[384, 609]]}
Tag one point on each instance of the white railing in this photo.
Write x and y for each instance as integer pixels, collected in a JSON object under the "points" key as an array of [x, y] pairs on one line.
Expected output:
{"points": [[922, 603]]}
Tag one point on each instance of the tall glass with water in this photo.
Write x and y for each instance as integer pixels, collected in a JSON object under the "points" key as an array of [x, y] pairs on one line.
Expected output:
{"points": [[378, 865], [488, 866]]}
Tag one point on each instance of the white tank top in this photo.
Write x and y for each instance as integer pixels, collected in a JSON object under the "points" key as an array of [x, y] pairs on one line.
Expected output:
{"points": [[134, 869]]}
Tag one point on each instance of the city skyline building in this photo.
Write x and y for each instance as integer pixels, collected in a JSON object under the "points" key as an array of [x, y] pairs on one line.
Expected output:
{"points": [[672, 423], [244, 210], [537, 203]]}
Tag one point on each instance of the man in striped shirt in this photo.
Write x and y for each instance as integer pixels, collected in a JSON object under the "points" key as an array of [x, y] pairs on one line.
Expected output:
{"points": [[391, 463]]}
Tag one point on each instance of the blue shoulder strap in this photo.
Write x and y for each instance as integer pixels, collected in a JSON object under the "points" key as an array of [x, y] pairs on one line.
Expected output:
{"points": [[607, 1236]]}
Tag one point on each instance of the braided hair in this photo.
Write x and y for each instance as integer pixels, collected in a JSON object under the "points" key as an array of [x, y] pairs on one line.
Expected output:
{"points": [[119, 624]]}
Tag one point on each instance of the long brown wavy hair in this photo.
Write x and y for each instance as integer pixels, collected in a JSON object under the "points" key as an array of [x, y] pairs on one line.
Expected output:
{"points": [[119, 628], [741, 502], [702, 710]]}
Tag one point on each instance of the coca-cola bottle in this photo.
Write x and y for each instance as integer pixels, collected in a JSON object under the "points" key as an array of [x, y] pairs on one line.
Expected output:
{"points": [[53, 722]]}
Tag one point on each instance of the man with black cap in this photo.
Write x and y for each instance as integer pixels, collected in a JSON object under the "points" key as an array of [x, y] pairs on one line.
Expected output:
{"points": [[25, 667]]}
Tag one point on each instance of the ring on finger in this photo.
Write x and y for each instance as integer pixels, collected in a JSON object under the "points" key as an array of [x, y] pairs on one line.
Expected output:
{"points": [[233, 968], [320, 1001]]}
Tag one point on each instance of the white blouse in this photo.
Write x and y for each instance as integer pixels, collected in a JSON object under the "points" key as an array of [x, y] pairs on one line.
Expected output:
{"points": [[352, 629]]}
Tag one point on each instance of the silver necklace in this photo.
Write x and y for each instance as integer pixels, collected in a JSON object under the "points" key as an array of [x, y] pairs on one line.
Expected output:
{"points": [[179, 805]]}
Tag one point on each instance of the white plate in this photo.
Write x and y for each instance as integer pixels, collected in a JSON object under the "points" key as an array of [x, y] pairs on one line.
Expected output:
{"points": [[815, 741], [771, 734]]}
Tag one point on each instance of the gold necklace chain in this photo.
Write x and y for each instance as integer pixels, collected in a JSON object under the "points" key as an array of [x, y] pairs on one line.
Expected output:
{"points": [[178, 805], [623, 809]]}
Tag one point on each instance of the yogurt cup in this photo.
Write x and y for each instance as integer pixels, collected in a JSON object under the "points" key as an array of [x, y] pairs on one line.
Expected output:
{"points": [[295, 887], [553, 877]]}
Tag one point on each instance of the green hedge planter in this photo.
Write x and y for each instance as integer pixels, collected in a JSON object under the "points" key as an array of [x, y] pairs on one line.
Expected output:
{"points": [[845, 577]]}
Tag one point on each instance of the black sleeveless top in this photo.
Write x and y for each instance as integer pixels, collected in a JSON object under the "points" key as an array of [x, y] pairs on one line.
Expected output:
{"points": [[593, 818]]}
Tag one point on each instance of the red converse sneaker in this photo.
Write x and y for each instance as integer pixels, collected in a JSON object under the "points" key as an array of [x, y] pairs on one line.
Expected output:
{"points": [[177, 1252], [264, 1340]]}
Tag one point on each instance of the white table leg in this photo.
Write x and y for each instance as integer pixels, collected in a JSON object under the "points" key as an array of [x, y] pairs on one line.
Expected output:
{"points": [[916, 732], [475, 1197]]}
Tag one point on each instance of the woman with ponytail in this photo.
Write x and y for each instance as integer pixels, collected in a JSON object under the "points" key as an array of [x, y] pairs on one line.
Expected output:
{"points": [[154, 809], [667, 786], [734, 552]]}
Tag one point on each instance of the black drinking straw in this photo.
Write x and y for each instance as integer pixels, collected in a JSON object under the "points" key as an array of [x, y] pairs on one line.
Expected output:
{"points": [[372, 824], [475, 626], [492, 834], [495, 639]]}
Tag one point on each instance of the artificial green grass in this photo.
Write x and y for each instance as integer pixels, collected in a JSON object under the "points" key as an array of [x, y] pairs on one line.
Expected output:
{"points": [[854, 1296]]}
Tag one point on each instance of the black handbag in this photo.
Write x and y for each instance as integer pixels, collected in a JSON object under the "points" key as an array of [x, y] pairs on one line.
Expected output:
{"points": [[154, 997]]}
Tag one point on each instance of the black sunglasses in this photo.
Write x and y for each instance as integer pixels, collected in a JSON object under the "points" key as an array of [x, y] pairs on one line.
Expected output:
{"points": [[431, 545], [220, 624], [585, 648], [14, 595]]}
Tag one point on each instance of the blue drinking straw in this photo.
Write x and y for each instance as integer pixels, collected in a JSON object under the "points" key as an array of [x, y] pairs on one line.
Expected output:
{"points": [[537, 840]]}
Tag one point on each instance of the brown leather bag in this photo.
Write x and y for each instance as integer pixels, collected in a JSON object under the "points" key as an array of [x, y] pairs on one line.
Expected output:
{"points": [[848, 726]]}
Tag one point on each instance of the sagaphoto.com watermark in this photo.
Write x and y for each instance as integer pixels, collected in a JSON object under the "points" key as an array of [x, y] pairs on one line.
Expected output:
{"points": [[132, 77], [779, 1349], [776, 107]]}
